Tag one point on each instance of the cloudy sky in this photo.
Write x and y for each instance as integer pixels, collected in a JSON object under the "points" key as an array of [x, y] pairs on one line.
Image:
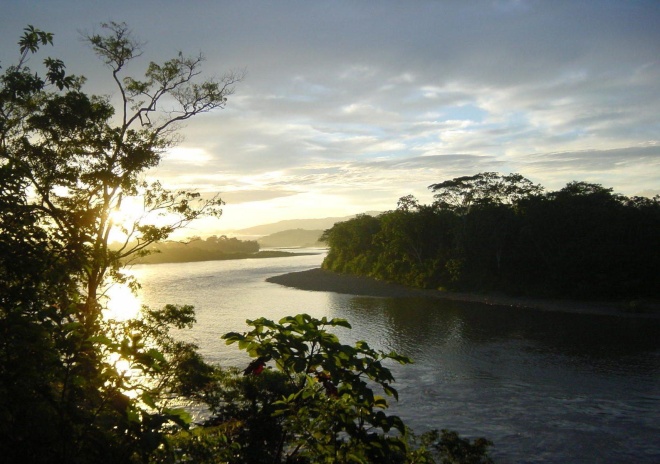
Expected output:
{"points": [[349, 105]]}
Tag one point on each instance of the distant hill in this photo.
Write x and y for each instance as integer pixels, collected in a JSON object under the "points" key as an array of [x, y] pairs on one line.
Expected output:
{"points": [[292, 238], [292, 224]]}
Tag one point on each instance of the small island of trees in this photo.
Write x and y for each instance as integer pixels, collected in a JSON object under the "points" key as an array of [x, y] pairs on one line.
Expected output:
{"points": [[205, 249]]}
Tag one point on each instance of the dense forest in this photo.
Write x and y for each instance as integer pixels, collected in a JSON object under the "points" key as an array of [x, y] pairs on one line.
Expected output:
{"points": [[493, 232]]}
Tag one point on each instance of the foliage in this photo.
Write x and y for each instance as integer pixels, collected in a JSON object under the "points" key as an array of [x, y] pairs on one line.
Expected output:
{"points": [[462, 193], [242, 426], [69, 161], [331, 413], [78, 386], [447, 447], [351, 245], [411, 241], [490, 232], [197, 249]]}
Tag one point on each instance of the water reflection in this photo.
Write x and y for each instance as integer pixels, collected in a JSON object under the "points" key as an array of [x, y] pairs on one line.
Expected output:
{"points": [[540, 384], [418, 326], [545, 387]]}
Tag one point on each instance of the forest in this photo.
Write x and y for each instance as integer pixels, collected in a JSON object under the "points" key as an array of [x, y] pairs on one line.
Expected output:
{"points": [[207, 249], [492, 232]]}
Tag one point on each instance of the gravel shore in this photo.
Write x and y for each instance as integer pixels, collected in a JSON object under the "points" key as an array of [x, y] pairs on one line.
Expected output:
{"points": [[326, 281]]}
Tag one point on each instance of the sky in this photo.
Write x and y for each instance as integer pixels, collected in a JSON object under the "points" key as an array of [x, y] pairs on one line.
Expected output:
{"points": [[347, 106]]}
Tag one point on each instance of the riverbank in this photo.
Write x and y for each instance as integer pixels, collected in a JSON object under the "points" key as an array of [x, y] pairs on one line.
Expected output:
{"points": [[327, 281]]}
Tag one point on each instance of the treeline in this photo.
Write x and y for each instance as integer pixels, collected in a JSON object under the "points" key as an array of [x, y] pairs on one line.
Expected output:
{"points": [[198, 249], [490, 232]]}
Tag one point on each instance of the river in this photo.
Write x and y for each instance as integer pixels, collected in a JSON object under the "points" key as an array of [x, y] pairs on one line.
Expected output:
{"points": [[545, 387]]}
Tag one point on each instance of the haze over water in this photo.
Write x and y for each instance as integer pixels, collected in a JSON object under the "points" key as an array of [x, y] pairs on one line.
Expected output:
{"points": [[545, 387]]}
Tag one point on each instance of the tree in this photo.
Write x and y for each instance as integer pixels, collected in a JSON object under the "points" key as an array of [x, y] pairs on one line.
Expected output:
{"points": [[69, 161], [585, 240], [413, 241], [485, 202], [462, 193], [331, 413], [351, 245]]}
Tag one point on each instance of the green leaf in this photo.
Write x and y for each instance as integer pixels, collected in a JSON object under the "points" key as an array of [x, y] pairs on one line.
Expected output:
{"points": [[101, 339], [232, 337], [179, 416], [391, 391], [148, 400], [380, 402], [340, 323]]}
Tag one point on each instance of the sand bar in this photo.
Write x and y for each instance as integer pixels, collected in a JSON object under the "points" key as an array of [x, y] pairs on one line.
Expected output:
{"points": [[326, 281]]}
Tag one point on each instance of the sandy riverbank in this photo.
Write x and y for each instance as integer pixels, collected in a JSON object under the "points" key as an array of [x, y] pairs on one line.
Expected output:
{"points": [[326, 281]]}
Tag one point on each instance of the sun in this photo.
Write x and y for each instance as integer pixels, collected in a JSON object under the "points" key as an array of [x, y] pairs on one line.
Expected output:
{"points": [[122, 303], [125, 217]]}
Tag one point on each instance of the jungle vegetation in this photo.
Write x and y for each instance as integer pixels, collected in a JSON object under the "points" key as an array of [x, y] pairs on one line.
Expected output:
{"points": [[494, 232]]}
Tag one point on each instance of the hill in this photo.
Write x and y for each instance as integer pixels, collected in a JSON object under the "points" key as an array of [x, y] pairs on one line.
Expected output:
{"points": [[293, 224], [292, 238]]}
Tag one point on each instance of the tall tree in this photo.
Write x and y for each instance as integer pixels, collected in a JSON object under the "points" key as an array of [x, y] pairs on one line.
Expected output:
{"points": [[69, 161], [462, 193]]}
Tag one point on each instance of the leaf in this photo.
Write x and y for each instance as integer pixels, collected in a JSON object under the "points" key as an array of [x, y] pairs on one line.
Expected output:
{"points": [[232, 337], [156, 355], [307, 393], [148, 400], [179, 416], [390, 391], [101, 339], [380, 402], [299, 365], [341, 323]]}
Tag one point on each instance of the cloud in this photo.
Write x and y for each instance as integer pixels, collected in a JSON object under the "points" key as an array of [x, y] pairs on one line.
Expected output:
{"points": [[245, 196], [353, 104]]}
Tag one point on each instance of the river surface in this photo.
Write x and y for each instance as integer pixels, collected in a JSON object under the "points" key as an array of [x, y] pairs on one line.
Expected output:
{"points": [[545, 387]]}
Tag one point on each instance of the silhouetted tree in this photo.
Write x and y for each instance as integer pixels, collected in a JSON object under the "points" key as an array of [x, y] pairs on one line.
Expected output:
{"points": [[69, 160], [461, 193]]}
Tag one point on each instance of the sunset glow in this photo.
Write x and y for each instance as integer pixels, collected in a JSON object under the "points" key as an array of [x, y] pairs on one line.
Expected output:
{"points": [[404, 96]]}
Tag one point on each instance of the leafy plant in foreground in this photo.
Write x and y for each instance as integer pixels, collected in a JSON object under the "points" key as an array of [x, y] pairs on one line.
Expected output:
{"points": [[332, 413]]}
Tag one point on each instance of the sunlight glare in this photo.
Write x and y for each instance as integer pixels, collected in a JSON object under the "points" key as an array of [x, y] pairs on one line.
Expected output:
{"points": [[130, 212], [122, 303]]}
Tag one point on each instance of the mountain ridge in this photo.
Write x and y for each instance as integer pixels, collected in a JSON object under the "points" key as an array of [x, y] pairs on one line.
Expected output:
{"points": [[292, 224]]}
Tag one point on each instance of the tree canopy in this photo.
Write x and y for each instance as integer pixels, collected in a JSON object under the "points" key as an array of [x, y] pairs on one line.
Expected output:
{"points": [[461, 193], [68, 162], [493, 232]]}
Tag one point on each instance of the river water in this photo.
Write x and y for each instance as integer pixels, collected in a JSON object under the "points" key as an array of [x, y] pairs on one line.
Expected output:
{"points": [[545, 387]]}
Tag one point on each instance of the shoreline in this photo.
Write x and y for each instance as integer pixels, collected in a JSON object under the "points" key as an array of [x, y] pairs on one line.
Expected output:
{"points": [[318, 279]]}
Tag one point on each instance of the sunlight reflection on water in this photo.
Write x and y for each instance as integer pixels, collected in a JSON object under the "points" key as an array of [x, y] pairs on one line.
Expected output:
{"points": [[545, 387]]}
